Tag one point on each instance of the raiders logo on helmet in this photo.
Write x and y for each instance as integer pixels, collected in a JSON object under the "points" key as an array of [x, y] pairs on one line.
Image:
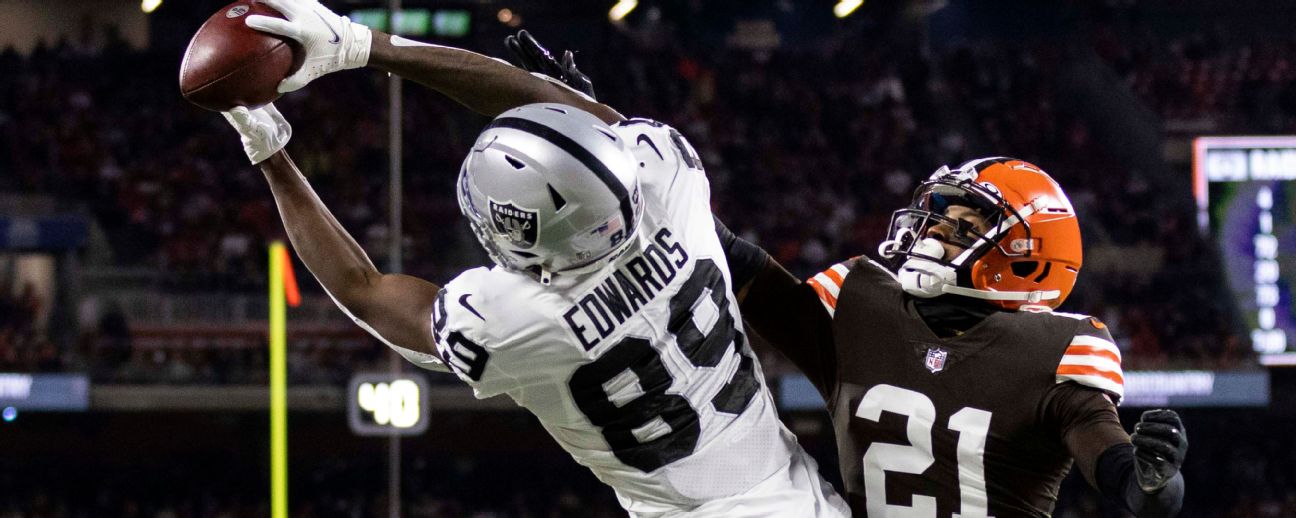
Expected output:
{"points": [[519, 224]]}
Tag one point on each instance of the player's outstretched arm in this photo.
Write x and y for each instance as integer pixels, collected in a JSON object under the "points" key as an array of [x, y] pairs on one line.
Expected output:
{"points": [[485, 85], [785, 311], [396, 308]]}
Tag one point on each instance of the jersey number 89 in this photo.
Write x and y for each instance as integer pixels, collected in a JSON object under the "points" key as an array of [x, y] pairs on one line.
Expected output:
{"points": [[656, 428]]}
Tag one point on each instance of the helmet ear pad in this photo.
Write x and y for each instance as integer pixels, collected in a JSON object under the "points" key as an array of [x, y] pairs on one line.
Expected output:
{"points": [[1050, 259]]}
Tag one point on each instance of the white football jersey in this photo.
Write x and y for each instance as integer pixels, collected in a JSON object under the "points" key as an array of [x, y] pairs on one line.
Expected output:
{"points": [[640, 370]]}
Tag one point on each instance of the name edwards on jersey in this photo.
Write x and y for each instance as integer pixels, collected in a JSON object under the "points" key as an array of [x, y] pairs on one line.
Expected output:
{"points": [[630, 287]]}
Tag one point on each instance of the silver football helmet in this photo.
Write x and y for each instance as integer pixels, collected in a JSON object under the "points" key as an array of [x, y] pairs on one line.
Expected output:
{"points": [[549, 188]]}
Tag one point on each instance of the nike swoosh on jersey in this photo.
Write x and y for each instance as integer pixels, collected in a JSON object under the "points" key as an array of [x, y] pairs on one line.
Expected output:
{"points": [[336, 37], [463, 301], [643, 139]]}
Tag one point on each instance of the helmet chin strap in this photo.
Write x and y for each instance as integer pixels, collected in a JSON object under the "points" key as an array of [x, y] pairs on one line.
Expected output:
{"points": [[545, 275], [1034, 297], [926, 278]]}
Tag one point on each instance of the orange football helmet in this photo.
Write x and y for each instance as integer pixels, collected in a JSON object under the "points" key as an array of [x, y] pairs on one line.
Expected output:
{"points": [[1025, 255]]}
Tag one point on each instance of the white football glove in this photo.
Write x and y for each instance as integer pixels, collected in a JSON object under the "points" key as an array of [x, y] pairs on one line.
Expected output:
{"points": [[264, 131], [331, 42]]}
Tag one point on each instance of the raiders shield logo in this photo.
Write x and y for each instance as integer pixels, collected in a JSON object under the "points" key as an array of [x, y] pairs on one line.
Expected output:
{"points": [[935, 361], [521, 225]]}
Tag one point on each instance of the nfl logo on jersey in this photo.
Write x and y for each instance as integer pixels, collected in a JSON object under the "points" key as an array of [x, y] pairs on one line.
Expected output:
{"points": [[935, 361]]}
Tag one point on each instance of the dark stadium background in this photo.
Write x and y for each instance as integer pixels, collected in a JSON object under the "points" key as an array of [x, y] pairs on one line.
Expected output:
{"points": [[134, 254]]}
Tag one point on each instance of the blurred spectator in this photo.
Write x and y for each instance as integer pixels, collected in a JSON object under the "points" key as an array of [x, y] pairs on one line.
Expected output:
{"points": [[23, 347], [809, 149]]}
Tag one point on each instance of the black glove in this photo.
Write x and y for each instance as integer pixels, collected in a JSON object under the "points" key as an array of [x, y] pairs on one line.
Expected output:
{"points": [[536, 58], [1160, 444]]}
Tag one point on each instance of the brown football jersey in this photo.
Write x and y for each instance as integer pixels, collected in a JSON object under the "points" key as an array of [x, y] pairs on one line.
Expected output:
{"points": [[979, 424]]}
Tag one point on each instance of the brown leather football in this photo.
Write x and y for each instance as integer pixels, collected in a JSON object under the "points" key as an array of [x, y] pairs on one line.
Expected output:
{"points": [[229, 64]]}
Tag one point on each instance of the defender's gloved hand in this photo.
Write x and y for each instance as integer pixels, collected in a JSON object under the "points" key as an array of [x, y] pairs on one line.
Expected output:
{"points": [[264, 131], [1160, 444], [537, 60], [331, 42]]}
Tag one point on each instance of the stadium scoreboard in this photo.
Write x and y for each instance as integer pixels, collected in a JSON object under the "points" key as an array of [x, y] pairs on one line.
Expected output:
{"points": [[1246, 202], [386, 403], [418, 22]]}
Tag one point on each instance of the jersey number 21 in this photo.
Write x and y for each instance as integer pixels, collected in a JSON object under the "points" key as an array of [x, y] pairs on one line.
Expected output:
{"points": [[972, 425]]}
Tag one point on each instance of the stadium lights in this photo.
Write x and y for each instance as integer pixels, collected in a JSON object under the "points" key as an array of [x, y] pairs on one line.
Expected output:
{"points": [[621, 9], [507, 17], [148, 6], [844, 8]]}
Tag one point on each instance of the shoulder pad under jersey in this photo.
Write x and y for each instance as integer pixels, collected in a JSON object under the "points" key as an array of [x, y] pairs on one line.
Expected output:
{"points": [[827, 284], [479, 315], [1092, 358]]}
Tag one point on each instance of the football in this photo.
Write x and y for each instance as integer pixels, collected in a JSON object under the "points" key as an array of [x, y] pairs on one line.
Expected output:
{"points": [[229, 64]]}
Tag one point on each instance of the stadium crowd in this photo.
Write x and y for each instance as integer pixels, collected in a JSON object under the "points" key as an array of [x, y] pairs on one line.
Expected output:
{"points": [[23, 347], [841, 151], [808, 150], [1204, 81]]}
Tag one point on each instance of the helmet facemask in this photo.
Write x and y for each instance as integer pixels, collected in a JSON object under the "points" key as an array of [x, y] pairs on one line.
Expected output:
{"points": [[929, 208]]}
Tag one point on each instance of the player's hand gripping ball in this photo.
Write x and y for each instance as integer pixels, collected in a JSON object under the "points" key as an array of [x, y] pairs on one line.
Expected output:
{"points": [[263, 131], [330, 42], [229, 64]]}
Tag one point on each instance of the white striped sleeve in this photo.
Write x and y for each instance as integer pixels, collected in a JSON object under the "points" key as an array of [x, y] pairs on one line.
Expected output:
{"points": [[827, 284], [1093, 361]]}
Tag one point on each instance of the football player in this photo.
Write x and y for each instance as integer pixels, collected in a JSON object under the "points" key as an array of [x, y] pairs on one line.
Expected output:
{"points": [[953, 386], [608, 312]]}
